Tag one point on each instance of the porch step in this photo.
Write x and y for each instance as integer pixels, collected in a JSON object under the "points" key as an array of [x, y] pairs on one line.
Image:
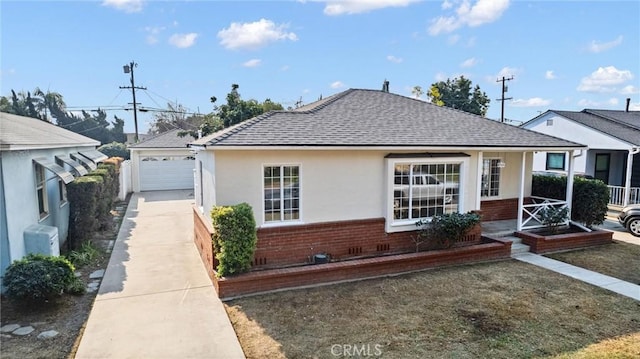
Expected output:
{"points": [[517, 247]]}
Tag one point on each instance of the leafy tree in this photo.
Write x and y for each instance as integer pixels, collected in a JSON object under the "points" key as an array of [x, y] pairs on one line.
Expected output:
{"points": [[458, 94], [22, 104], [417, 91], [175, 116]]}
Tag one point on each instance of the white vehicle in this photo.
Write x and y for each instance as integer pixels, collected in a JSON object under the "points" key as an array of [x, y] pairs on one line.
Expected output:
{"points": [[423, 187]]}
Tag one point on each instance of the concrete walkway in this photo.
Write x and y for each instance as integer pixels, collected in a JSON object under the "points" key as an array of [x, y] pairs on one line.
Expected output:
{"points": [[156, 300], [603, 281]]}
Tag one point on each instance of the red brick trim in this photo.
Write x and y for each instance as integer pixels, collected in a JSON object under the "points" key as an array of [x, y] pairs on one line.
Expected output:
{"points": [[543, 244]]}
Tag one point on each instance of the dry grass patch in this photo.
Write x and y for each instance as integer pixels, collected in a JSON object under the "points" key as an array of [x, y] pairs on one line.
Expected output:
{"points": [[625, 347], [500, 310], [618, 259]]}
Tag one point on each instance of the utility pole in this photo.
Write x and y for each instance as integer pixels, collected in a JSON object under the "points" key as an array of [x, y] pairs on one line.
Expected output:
{"points": [[503, 99], [129, 69]]}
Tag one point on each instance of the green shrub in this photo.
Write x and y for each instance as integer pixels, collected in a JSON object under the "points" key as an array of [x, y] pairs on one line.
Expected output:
{"points": [[76, 287], [443, 230], [590, 201], [234, 238], [590, 197], [115, 149], [105, 198], [37, 278], [83, 195], [552, 217]]}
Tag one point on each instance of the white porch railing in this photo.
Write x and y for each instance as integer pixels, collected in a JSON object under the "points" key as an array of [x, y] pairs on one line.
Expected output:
{"points": [[532, 212], [617, 195]]}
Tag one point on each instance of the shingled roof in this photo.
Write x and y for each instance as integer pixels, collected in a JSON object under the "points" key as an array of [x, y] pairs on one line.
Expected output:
{"points": [[624, 125], [24, 133], [169, 139], [364, 118]]}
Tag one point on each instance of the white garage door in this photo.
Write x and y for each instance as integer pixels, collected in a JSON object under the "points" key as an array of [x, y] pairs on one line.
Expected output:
{"points": [[166, 172]]}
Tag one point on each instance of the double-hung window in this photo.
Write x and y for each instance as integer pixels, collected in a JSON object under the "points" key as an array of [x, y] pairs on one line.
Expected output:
{"points": [[41, 191], [281, 193], [490, 177], [555, 161]]}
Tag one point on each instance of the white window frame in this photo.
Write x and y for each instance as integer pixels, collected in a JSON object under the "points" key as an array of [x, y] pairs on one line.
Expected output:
{"points": [[564, 161], [41, 185], [62, 192], [489, 180], [282, 221], [393, 225]]}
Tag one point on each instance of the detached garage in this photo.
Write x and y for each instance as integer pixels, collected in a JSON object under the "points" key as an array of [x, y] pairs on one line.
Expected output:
{"points": [[163, 162]]}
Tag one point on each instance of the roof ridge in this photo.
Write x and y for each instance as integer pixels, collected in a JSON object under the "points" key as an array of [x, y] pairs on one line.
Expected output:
{"points": [[324, 102]]}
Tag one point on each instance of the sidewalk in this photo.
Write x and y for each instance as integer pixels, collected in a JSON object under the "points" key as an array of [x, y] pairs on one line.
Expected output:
{"points": [[600, 280], [156, 300]]}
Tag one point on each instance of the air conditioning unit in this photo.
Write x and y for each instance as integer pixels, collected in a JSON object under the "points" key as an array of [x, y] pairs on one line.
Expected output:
{"points": [[41, 239]]}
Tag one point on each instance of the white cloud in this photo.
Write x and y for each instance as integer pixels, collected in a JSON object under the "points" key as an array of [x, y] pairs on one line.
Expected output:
{"points": [[480, 13], [634, 106], [596, 46], [127, 6], [337, 85], [453, 39], [604, 79], [183, 40], [446, 4], [610, 103], [629, 90], [152, 33], [549, 75], [531, 102], [392, 58], [469, 62], [350, 7], [440, 76], [252, 63], [507, 72], [613, 101], [254, 35]]}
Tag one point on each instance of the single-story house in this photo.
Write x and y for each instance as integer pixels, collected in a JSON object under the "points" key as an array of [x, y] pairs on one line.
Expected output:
{"points": [[162, 162], [366, 163], [37, 160], [613, 154]]}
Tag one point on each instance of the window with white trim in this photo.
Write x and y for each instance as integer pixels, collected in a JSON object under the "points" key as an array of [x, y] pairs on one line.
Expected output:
{"points": [[555, 161], [62, 191], [41, 191], [281, 193], [424, 189], [490, 186]]}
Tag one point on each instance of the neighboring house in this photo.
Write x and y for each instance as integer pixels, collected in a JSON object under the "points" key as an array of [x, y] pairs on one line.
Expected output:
{"points": [[613, 156], [131, 137], [37, 160], [366, 157], [162, 162]]}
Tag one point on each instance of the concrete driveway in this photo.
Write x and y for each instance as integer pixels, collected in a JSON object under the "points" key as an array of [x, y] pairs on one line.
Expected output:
{"points": [[619, 232], [156, 300]]}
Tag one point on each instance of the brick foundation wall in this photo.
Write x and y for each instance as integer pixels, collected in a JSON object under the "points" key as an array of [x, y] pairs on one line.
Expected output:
{"points": [[294, 245], [274, 279], [501, 209], [202, 238], [542, 244]]}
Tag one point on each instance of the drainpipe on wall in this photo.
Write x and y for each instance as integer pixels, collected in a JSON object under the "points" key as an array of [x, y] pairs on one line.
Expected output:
{"points": [[627, 182]]}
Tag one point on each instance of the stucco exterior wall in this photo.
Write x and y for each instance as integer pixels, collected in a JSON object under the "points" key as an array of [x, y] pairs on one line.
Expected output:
{"points": [[21, 202], [334, 185]]}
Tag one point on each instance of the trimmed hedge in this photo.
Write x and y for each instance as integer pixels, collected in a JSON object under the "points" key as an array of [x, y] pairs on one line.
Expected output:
{"points": [[83, 195], [105, 199], [38, 278], [590, 197], [234, 238]]}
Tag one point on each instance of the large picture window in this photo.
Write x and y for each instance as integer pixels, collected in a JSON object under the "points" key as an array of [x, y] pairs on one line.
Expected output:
{"points": [[422, 190], [281, 193], [490, 177]]}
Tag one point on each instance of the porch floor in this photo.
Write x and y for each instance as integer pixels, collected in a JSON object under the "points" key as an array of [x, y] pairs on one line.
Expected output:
{"points": [[499, 228]]}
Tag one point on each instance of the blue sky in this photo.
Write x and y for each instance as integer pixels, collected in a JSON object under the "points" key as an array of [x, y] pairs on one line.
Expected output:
{"points": [[563, 55]]}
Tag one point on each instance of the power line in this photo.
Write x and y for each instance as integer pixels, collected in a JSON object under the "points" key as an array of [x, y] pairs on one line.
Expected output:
{"points": [[129, 69]]}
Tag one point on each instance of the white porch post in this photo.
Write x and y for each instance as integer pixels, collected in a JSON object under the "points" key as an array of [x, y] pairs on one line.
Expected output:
{"points": [[521, 194], [627, 181], [479, 181], [570, 174]]}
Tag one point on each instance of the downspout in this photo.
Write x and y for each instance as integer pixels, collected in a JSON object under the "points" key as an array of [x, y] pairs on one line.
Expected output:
{"points": [[627, 183]]}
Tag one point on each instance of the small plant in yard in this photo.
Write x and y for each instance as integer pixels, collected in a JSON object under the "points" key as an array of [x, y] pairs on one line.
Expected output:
{"points": [[445, 229], [552, 217], [76, 287], [38, 278], [86, 254]]}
